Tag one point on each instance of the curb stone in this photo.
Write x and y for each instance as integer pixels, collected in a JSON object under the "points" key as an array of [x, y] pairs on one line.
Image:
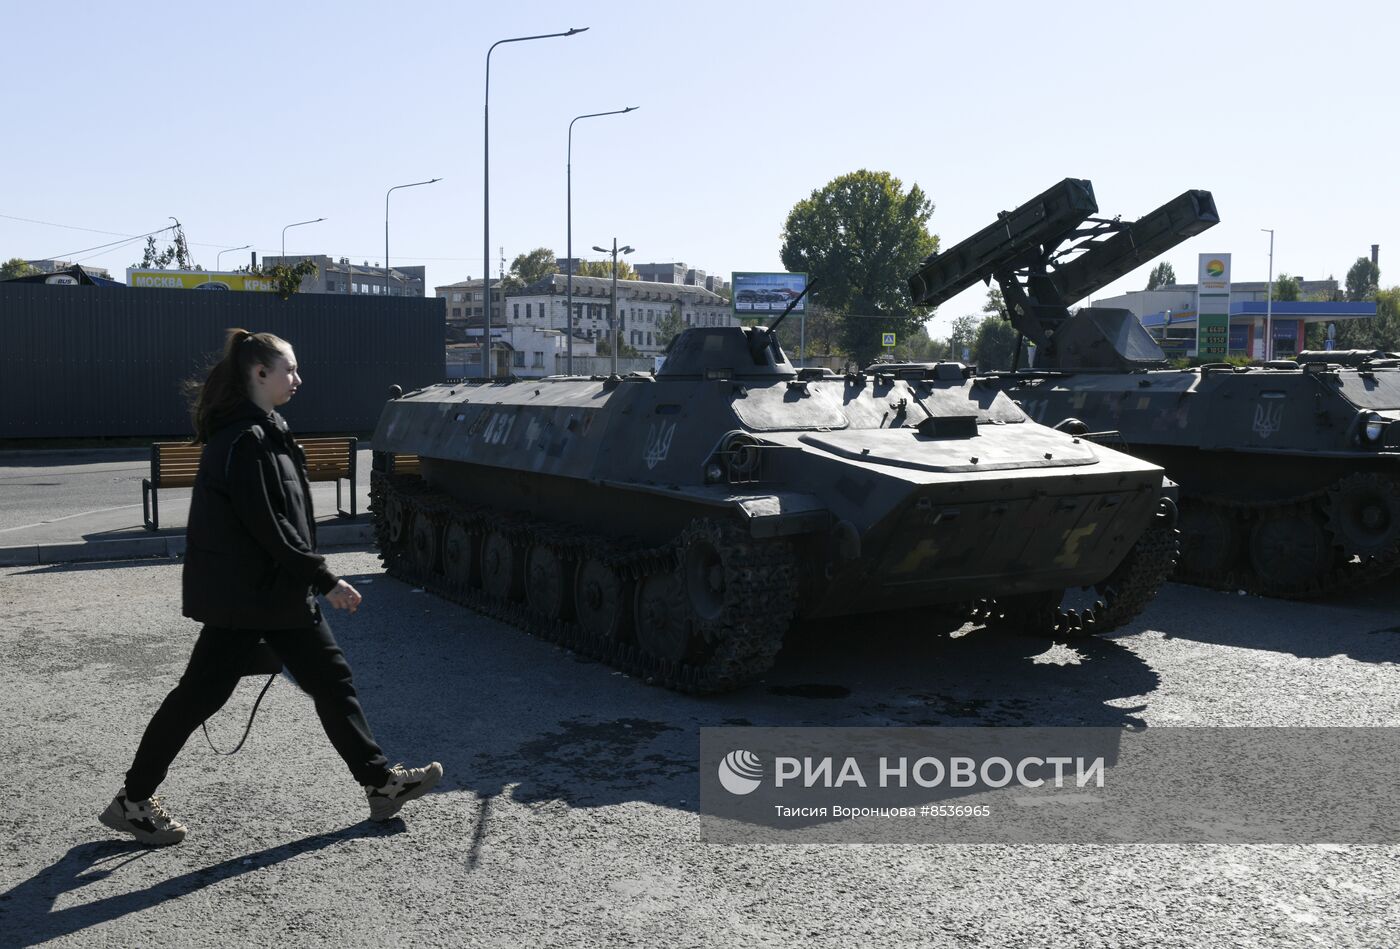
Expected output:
{"points": [[30, 555]]}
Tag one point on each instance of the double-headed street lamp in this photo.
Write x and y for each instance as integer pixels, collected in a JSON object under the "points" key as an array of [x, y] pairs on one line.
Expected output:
{"points": [[284, 235], [486, 196], [219, 257], [613, 319], [569, 279], [386, 224]]}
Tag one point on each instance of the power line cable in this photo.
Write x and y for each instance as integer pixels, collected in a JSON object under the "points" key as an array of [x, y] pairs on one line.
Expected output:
{"points": [[113, 244]]}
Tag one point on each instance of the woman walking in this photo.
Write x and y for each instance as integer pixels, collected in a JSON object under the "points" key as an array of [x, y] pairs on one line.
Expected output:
{"points": [[251, 575]]}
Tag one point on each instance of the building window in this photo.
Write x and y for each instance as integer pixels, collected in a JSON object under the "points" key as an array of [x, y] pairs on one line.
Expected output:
{"points": [[538, 361], [517, 359], [456, 297], [527, 311], [648, 339], [517, 310], [456, 312]]}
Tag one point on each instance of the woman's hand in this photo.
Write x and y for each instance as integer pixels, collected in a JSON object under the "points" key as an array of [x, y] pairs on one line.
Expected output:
{"points": [[344, 597]]}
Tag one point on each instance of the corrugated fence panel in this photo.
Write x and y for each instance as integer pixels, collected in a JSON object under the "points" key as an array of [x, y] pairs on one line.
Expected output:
{"points": [[91, 361]]}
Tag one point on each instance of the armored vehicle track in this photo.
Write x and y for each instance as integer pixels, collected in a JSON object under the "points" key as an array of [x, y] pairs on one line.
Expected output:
{"points": [[619, 602]]}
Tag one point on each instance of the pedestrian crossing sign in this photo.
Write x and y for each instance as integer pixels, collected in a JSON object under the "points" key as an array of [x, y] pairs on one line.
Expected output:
{"points": [[886, 339]]}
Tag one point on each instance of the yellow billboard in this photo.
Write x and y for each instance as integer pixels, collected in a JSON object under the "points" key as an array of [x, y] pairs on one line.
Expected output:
{"points": [[197, 280]]}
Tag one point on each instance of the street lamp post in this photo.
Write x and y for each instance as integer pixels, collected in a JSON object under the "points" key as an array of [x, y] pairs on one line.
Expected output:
{"points": [[1269, 302], [219, 257], [569, 278], [613, 318], [386, 224], [284, 236], [486, 196]]}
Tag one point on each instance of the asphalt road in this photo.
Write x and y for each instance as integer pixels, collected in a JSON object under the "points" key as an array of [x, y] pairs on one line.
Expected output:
{"points": [[567, 816], [69, 496]]}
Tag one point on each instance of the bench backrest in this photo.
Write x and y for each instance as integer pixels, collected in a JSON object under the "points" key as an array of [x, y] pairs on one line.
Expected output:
{"points": [[328, 459], [175, 464]]}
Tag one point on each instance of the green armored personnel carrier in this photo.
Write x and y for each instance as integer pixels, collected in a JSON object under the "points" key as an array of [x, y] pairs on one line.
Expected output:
{"points": [[679, 525]]}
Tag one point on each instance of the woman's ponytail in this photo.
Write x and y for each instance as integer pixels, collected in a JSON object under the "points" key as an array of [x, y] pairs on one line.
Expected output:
{"points": [[227, 382]]}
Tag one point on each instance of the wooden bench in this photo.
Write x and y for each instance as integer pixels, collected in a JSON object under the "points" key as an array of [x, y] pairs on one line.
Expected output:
{"points": [[404, 463], [175, 464]]}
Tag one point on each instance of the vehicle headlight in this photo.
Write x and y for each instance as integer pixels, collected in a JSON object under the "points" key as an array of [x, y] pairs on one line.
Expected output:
{"points": [[1374, 429]]}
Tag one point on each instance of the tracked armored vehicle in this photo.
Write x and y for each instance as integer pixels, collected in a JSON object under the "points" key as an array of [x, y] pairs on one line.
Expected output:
{"points": [[1289, 473], [678, 525]]}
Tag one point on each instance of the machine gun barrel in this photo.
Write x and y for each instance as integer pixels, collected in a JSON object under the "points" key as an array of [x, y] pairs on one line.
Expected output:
{"points": [[1153, 234], [1016, 237]]}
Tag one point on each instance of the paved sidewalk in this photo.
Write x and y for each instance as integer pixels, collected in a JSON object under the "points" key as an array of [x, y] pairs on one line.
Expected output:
{"points": [[85, 504]]}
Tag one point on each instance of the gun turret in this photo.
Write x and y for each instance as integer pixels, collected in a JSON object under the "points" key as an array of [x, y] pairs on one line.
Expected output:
{"points": [[1051, 252]]}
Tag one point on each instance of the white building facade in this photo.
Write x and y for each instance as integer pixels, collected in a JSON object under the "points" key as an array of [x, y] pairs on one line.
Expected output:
{"points": [[642, 307]]}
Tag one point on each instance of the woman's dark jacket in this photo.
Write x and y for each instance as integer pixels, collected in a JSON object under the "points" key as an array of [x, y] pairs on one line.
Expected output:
{"points": [[250, 547]]}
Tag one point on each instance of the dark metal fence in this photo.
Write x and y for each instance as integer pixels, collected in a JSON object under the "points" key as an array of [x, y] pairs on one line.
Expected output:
{"points": [[91, 361]]}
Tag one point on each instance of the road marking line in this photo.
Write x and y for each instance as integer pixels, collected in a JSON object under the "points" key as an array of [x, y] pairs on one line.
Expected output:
{"points": [[67, 516]]}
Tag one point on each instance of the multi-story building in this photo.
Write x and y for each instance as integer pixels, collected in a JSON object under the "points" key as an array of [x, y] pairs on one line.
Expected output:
{"points": [[463, 302], [341, 276], [678, 273], [661, 273], [642, 306], [52, 266]]}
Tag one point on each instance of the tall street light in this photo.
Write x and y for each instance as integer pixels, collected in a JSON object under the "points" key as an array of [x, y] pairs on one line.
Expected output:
{"points": [[386, 224], [613, 319], [284, 235], [1269, 302], [219, 257], [569, 280], [486, 196]]}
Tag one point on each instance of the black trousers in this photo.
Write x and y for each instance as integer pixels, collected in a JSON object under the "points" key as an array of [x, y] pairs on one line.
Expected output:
{"points": [[314, 659]]}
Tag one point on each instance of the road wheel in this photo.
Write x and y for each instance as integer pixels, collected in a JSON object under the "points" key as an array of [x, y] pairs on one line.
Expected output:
{"points": [[547, 589], [458, 553], [396, 519], [502, 572], [1290, 550], [1210, 539], [664, 629], [424, 543], [602, 600]]}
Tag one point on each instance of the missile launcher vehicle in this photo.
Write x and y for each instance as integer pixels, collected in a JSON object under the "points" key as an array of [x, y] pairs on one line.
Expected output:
{"points": [[678, 525], [1289, 472]]}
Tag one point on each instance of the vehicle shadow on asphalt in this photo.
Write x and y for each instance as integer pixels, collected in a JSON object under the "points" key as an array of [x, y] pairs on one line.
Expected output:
{"points": [[515, 719], [28, 908], [1306, 629]]}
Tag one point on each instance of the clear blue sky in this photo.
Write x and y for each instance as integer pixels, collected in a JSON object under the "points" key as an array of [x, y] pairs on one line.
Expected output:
{"points": [[239, 118]]}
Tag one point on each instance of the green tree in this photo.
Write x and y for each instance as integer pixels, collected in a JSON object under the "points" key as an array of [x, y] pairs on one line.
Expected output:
{"points": [[1363, 280], [670, 325], [921, 347], [1380, 332], [963, 336], [996, 304], [177, 252], [603, 268], [287, 279], [994, 344], [16, 267], [1286, 288], [625, 350], [861, 236], [1162, 275], [530, 267]]}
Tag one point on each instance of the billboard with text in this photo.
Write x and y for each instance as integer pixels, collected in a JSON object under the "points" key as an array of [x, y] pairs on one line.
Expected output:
{"points": [[762, 294]]}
